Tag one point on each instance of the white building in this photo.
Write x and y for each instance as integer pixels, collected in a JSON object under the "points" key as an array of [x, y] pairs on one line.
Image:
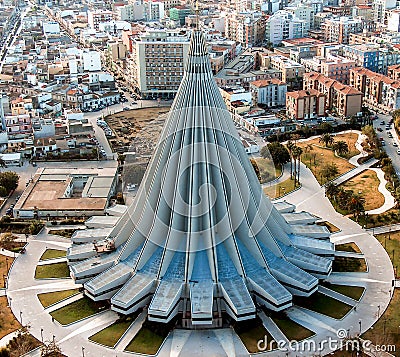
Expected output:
{"points": [[95, 17], [157, 61], [51, 28], [284, 25], [91, 61], [270, 92], [394, 21], [380, 8]]}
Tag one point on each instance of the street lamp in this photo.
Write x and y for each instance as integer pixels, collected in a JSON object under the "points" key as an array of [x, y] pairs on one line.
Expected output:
{"points": [[20, 316], [83, 351], [359, 322], [41, 333]]}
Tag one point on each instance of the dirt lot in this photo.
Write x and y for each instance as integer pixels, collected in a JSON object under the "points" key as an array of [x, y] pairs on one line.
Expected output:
{"points": [[137, 130]]}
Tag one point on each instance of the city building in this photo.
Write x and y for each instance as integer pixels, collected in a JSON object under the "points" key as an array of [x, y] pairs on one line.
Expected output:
{"points": [[270, 92], [246, 28], [95, 17], [204, 270], [342, 99], [156, 63], [67, 192], [305, 104], [394, 72], [179, 14], [339, 29], [284, 25], [380, 8], [292, 72], [380, 92]]}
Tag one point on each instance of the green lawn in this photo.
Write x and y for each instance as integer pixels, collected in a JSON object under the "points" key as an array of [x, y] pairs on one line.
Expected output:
{"points": [[280, 189], [78, 310], [111, 334], [47, 299], [324, 305], [146, 341], [252, 331], [354, 292], [292, 330], [346, 264], [53, 254], [56, 270], [348, 247]]}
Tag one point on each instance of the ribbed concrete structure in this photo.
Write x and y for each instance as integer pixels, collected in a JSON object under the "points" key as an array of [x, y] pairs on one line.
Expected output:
{"points": [[201, 238]]}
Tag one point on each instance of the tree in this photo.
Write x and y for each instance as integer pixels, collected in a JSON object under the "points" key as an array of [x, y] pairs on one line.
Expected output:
{"points": [[340, 147], [331, 190], [290, 145], [279, 153], [3, 191], [9, 180], [356, 205], [256, 169], [327, 139], [35, 227], [326, 128], [329, 171], [296, 152], [7, 239], [2, 162]]}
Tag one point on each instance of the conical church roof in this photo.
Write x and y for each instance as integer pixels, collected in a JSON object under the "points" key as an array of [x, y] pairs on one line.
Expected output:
{"points": [[201, 238]]}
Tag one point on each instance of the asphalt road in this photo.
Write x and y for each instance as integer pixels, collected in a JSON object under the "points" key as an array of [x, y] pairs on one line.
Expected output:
{"points": [[390, 149]]}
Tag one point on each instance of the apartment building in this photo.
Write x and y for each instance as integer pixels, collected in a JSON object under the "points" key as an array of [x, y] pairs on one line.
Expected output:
{"points": [[291, 71], [270, 92], [155, 67], [95, 17], [284, 25], [246, 28], [380, 92], [305, 104], [394, 72], [20, 124], [343, 99], [380, 8], [339, 29]]}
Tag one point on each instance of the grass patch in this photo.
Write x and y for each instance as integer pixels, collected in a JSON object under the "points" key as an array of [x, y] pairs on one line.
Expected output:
{"points": [[280, 189], [5, 264], [348, 247], [386, 330], [56, 270], [48, 299], [319, 156], [53, 254], [149, 339], [250, 332], [78, 310], [111, 334], [332, 228], [292, 330], [354, 292], [346, 264], [323, 304], [66, 233], [8, 323], [366, 185]]}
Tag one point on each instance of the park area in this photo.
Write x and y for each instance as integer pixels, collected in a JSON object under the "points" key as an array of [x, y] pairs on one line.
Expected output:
{"points": [[366, 185], [316, 156]]}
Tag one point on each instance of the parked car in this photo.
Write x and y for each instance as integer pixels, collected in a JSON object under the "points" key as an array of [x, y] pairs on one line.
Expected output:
{"points": [[395, 144], [398, 152], [382, 122]]}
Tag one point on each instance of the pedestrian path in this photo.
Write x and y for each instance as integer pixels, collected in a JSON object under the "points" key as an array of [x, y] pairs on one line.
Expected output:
{"points": [[384, 229], [7, 338]]}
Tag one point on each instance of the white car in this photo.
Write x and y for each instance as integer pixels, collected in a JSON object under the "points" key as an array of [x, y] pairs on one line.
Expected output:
{"points": [[398, 152]]}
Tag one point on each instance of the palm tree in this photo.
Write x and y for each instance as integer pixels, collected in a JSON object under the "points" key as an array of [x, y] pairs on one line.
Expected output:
{"points": [[290, 145], [327, 139], [340, 147], [356, 205], [297, 151], [331, 190]]}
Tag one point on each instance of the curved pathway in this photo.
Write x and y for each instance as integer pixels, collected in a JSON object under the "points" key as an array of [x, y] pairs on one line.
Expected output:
{"points": [[377, 281]]}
